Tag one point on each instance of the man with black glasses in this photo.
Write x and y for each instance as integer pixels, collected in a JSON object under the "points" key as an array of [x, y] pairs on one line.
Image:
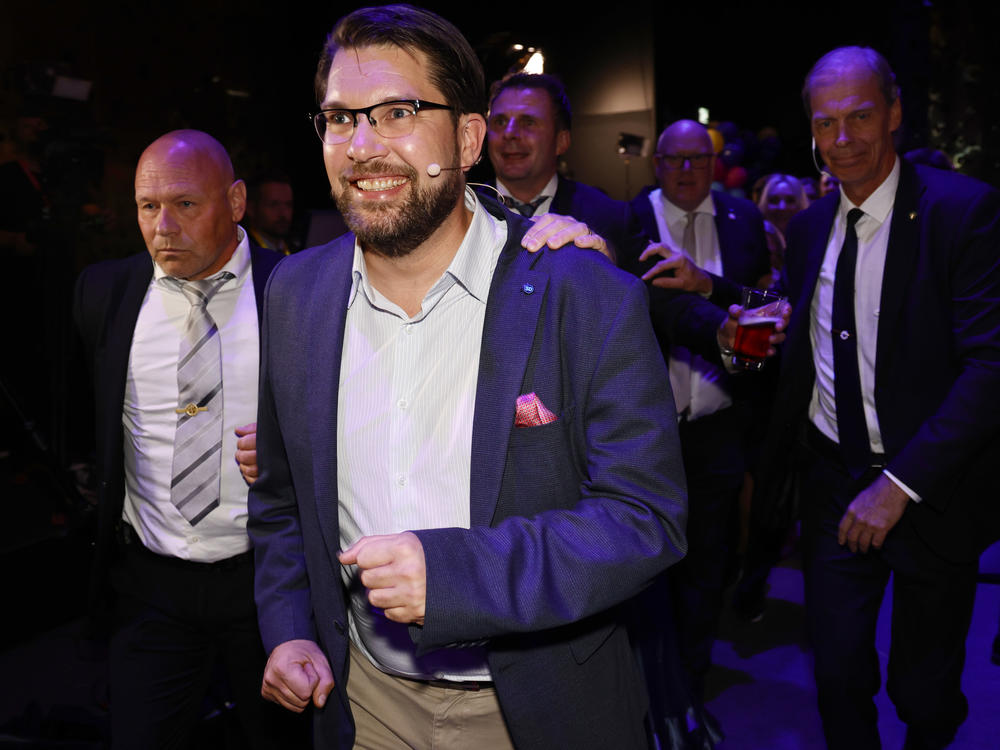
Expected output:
{"points": [[468, 452]]}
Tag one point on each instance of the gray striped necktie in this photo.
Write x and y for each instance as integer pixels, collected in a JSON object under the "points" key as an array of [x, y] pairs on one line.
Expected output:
{"points": [[194, 483]]}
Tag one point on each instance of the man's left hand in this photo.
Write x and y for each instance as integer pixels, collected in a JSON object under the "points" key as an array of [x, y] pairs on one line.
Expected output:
{"points": [[687, 276], [555, 231], [393, 570], [246, 451], [871, 515]]}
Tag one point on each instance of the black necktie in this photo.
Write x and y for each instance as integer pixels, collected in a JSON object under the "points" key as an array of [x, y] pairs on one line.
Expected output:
{"points": [[852, 430], [527, 209]]}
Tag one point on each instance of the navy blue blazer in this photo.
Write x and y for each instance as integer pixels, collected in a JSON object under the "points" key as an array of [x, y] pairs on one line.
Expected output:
{"points": [[106, 305], [937, 368], [611, 219], [569, 519]]}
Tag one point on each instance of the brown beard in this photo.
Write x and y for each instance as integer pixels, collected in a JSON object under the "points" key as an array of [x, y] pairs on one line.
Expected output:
{"points": [[396, 230]]}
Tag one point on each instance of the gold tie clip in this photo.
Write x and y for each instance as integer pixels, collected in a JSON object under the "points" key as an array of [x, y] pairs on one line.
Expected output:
{"points": [[190, 409]]}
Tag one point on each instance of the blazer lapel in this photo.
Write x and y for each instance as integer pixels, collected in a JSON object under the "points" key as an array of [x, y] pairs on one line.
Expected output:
{"points": [[726, 233], [562, 201], [325, 342], [512, 310], [642, 209], [262, 262], [125, 295], [819, 234], [130, 291], [900, 257]]}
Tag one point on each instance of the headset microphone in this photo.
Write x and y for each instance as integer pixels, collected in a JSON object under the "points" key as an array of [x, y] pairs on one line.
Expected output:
{"points": [[812, 152], [434, 169]]}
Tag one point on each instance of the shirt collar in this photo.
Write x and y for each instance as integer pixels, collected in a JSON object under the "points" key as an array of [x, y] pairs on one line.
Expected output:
{"points": [[878, 205], [238, 264], [548, 191], [473, 264], [673, 213]]}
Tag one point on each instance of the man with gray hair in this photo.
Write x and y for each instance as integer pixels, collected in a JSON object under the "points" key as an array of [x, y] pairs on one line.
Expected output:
{"points": [[889, 383]]}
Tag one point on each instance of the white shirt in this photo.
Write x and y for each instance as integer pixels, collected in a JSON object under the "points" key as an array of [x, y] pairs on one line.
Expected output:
{"points": [[698, 385], [549, 191], [149, 419], [873, 242], [406, 400]]}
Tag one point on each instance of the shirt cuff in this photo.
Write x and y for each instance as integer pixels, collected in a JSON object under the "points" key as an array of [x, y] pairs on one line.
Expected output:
{"points": [[913, 495]]}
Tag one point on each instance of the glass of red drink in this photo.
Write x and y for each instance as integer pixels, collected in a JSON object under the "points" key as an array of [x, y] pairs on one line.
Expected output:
{"points": [[761, 312]]}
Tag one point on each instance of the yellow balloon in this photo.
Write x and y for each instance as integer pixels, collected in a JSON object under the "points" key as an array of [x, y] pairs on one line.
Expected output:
{"points": [[718, 142]]}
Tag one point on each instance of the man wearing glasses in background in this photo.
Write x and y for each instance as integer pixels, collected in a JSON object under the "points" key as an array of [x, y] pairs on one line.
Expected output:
{"points": [[714, 244]]}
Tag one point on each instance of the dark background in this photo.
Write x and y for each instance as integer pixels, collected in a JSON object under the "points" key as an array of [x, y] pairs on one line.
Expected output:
{"points": [[244, 72]]}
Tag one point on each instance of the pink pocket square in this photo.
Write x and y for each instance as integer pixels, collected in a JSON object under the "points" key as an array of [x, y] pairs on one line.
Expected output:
{"points": [[531, 412]]}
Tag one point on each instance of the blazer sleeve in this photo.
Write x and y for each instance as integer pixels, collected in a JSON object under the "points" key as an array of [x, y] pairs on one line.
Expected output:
{"points": [[968, 416], [281, 583], [618, 524]]}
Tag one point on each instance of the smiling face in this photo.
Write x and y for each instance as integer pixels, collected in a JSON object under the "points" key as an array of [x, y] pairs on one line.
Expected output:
{"points": [[381, 185], [188, 204], [853, 126], [524, 142]]}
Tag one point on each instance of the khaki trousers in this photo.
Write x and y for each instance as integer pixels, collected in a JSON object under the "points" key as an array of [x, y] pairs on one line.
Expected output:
{"points": [[391, 713]]}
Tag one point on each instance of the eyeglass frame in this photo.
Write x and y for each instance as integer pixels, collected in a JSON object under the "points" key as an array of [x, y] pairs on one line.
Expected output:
{"points": [[418, 105], [665, 158]]}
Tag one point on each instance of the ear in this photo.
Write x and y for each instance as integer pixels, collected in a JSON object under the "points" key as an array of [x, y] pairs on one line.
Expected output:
{"points": [[562, 142], [471, 133], [237, 197], [895, 115]]}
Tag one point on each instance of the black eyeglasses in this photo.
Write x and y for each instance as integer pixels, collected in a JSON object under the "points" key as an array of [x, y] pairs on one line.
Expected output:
{"points": [[389, 119], [676, 161]]}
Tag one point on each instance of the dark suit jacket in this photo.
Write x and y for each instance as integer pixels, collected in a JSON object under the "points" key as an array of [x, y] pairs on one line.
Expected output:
{"points": [[611, 219], [689, 319], [937, 369], [568, 519], [742, 243], [106, 306]]}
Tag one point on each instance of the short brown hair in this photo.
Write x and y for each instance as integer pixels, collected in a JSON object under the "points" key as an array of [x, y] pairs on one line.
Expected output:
{"points": [[454, 68], [545, 82]]}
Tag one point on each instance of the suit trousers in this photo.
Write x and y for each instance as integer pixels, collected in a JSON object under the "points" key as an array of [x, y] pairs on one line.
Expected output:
{"points": [[932, 609], [175, 624], [713, 463]]}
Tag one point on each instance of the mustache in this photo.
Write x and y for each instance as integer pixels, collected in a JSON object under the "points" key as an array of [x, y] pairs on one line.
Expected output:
{"points": [[378, 168]]}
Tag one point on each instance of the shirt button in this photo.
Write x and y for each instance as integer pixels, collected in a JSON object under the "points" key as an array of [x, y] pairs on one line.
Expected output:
{"points": [[401, 480], [409, 330], [195, 540], [402, 403]]}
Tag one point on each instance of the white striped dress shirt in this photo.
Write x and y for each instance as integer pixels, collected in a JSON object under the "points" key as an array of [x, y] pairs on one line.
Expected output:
{"points": [[150, 420], [404, 427]]}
